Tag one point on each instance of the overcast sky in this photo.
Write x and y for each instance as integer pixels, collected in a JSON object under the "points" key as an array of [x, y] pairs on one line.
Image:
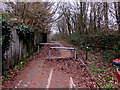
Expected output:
{"points": [[61, 0], [54, 28]]}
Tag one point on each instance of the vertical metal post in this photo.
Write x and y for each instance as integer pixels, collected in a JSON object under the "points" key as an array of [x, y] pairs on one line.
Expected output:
{"points": [[49, 53], [86, 53], [75, 54], [38, 48], [58, 52]]}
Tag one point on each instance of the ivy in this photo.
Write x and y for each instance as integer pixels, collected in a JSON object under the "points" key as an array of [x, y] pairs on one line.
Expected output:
{"points": [[6, 36], [25, 34]]}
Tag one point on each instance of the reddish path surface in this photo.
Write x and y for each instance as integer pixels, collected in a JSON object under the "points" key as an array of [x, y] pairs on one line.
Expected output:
{"points": [[58, 72]]}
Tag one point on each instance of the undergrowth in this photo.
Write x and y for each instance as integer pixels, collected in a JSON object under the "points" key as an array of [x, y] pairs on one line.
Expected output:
{"points": [[102, 49], [9, 72]]}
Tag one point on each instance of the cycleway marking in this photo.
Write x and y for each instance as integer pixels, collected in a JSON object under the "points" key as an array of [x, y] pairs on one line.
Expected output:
{"points": [[49, 79], [18, 83], [71, 83]]}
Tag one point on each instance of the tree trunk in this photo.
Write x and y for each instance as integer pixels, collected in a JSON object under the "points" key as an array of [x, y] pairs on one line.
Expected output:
{"points": [[106, 14], [117, 12]]}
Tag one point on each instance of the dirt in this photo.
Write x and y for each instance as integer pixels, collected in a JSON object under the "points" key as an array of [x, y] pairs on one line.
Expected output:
{"points": [[39, 70]]}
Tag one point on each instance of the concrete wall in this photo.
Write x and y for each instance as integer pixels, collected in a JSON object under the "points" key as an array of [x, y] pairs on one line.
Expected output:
{"points": [[17, 51]]}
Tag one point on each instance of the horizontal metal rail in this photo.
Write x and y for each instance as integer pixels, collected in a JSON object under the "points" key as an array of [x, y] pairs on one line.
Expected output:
{"points": [[55, 44], [49, 44], [67, 48], [62, 48]]}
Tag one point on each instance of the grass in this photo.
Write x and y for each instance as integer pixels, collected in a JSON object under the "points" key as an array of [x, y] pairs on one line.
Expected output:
{"points": [[99, 59], [109, 85], [106, 77], [101, 78], [102, 84], [98, 70]]}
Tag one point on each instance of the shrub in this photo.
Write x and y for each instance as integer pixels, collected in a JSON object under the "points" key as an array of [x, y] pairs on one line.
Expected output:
{"points": [[25, 34], [108, 45], [6, 37]]}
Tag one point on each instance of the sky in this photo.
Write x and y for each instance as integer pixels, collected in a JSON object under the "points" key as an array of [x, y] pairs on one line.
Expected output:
{"points": [[54, 30], [61, 0]]}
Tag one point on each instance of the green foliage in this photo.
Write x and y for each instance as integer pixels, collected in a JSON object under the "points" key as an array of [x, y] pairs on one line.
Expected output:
{"points": [[108, 55], [7, 15], [108, 78], [109, 40], [0, 19], [25, 34], [6, 37], [96, 70], [108, 45], [19, 65], [77, 40], [5, 76], [109, 85]]}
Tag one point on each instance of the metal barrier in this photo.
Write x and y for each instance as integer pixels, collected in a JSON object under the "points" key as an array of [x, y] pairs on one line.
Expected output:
{"points": [[56, 44], [68, 48]]}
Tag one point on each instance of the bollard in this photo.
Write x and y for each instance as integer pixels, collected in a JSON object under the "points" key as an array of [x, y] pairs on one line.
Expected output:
{"points": [[116, 63]]}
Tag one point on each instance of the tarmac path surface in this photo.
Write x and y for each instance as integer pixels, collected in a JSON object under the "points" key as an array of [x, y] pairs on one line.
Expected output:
{"points": [[60, 71]]}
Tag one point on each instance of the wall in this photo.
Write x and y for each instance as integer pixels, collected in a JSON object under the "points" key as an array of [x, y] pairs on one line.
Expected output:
{"points": [[18, 50]]}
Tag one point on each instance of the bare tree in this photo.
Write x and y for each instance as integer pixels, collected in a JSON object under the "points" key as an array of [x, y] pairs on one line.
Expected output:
{"points": [[36, 15], [117, 12], [91, 17]]}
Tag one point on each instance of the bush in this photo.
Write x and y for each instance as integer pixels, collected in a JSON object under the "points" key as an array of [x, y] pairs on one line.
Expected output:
{"points": [[25, 34], [108, 45], [6, 37], [77, 40]]}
